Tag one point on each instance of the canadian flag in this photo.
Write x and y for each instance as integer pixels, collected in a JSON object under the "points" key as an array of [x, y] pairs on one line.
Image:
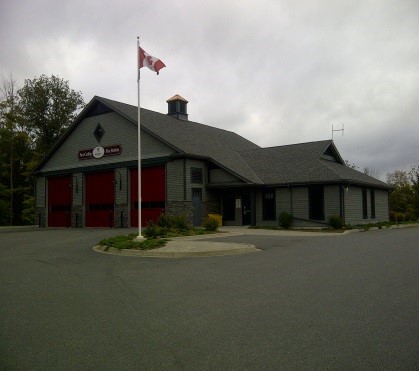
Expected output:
{"points": [[147, 60]]}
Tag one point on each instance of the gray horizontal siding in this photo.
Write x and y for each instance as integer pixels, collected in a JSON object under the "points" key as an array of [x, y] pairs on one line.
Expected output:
{"points": [[300, 202], [381, 205], [40, 192], [331, 201], [189, 185], [117, 131], [175, 180], [353, 206], [300, 206]]}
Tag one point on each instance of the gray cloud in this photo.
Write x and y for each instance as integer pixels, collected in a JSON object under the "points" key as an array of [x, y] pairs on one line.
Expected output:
{"points": [[276, 72]]}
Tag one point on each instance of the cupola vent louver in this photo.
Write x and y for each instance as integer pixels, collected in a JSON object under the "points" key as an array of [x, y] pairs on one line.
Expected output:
{"points": [[177, 107]]}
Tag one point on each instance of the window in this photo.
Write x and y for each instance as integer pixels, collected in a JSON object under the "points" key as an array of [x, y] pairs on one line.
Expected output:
{"points": [[268, 205], [372, 195], [196, 175], [229, 207], [316, 202], [364, 204]]}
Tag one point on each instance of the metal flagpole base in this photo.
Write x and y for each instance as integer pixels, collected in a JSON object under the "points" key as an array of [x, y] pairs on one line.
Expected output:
{"points": [[139, 238]]}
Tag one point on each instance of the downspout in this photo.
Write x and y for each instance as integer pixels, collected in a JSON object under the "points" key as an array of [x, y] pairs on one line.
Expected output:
{"points": [[342, 203]]}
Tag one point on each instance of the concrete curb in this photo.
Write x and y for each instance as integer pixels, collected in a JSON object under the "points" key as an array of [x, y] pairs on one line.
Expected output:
{"points": [[199, 246], [186, 250]]}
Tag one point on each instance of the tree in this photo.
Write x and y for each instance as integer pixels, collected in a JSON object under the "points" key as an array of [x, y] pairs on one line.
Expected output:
{"points": [[16, 151], [371, 171], [48, 106], [352, 166], [414, 179], [404, 195], [31, 120]]}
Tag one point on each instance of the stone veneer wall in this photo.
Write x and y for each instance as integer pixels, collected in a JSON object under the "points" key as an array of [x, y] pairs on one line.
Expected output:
{"points": [[41, 217], [121, 211], [180, 208], [186, 208], [77, 216]]}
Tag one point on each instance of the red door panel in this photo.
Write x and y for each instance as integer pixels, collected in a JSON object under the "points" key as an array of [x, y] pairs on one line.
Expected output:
{"points": [[100, 199], [59, 201], [153, 194]]}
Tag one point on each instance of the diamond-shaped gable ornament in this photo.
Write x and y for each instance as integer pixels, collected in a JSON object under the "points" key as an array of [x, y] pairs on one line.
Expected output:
{"points": [[99, 132]]}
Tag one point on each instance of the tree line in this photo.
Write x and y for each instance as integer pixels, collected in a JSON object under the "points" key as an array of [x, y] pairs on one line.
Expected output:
{"points": [[33, 117], [404, 195], [404, 192]]}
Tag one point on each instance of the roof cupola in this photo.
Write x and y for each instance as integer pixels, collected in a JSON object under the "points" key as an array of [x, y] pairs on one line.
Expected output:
{"points": [[177, 107]]}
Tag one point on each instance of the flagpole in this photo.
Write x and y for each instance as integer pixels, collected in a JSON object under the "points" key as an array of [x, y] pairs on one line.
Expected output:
{"points": [[140, 236]]}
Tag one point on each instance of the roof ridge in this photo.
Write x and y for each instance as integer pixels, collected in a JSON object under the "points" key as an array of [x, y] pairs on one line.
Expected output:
{"points": [[250, 168], [289, 145]]}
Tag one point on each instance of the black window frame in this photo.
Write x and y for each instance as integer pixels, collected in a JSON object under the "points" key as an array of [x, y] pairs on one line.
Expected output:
{"points": [[372, 202], [364, 203], [229, 207], [269, 205], [316, 202]]}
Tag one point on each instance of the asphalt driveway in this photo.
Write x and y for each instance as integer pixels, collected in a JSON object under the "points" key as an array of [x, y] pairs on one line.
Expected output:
{"points": [[302, 302]]}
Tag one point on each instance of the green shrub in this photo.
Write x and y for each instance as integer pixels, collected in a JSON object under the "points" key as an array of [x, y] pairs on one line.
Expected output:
{"points": [[152, 244], [165, 221], [410, 215], [173, 222], [210, 225], [181, 223], [128, 242], [399, 217], [153, 230], [285, 220], [392, 216], [336, 222]]}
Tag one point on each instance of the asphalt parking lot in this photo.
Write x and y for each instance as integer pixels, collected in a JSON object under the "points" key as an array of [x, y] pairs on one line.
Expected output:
{"points": [[326, 302]]}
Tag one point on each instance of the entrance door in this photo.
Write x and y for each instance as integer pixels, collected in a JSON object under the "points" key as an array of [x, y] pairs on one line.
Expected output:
{"points": [[246, 209], [197, 207], [59, 201], [100, 199]]}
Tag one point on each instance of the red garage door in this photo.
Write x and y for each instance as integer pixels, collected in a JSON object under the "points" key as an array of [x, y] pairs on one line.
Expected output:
{"points": [[153, 194], [100, 199], [59, 201]]}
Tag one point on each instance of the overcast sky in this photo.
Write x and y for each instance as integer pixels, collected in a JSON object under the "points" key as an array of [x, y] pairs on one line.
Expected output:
{"points": [[274, 71]]}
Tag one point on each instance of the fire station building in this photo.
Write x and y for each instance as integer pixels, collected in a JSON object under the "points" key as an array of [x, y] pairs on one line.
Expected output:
{"points": [[90, 177]]}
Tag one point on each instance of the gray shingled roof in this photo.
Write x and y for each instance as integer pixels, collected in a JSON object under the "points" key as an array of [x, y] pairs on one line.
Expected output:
{"points": [[291, 164], [194, 139], [303, 163]]}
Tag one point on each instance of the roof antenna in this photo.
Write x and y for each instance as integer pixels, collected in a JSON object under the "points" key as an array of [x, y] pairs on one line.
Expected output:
{"points": [[342, 130]]}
